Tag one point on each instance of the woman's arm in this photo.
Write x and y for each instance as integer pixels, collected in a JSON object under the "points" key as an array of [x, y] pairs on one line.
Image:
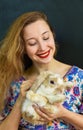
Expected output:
{"points": [[68, 116], [73, 118], [11, 122]]}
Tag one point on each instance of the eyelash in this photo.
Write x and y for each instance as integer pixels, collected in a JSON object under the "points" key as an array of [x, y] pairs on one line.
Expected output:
{"points": [[46, 38], [32, 44], [35, 42]]}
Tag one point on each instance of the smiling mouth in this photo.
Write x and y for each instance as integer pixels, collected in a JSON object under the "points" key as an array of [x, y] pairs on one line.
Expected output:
{"points": [[44, 55]]}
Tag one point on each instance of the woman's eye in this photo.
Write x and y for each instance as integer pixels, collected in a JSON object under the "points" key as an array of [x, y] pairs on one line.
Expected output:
{"points": [[46, 38], [32, 44]]}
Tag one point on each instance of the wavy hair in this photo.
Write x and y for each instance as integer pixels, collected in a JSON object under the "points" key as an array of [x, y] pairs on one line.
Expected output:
{"points": [[13, 60]]}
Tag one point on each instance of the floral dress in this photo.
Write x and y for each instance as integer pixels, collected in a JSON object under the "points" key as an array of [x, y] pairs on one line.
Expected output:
{"points": [[73, 102]]}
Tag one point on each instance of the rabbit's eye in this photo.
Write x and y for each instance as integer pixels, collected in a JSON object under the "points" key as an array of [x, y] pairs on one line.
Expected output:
{"points": [[52, 82]]}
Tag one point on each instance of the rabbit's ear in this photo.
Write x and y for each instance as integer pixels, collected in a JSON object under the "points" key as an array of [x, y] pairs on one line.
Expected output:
{"points": [[40, 79]]}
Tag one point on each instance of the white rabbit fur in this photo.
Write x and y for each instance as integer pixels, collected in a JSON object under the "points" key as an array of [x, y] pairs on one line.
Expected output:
{"points": [[47, 89]]}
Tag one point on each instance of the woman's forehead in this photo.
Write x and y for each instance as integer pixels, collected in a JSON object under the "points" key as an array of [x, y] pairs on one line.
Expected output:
{"points": [[38, 27]]}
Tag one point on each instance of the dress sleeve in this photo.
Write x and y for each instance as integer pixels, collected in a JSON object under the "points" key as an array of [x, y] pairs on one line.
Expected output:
{"points": [[7, 108], [74, 100], [10, 100], [81, 106], [79, 77]]}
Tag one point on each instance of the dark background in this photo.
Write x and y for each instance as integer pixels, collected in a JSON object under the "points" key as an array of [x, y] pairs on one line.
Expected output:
{"points": [[66, 16]]}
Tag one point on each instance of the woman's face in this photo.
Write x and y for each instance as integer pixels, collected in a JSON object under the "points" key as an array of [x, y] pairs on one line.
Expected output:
{"points": [[39, 42]]}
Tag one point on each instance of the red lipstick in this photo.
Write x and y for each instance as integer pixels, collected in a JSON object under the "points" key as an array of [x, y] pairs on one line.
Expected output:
{"points": [[44, 55]]}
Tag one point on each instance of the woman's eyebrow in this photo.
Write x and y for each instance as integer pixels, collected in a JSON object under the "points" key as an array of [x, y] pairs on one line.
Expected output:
{"points": [[33, 37], [29, 38], [45, 32]]}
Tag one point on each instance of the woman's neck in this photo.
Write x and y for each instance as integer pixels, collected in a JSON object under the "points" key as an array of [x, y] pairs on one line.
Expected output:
{"points": [[54, 66], [44, 67]]}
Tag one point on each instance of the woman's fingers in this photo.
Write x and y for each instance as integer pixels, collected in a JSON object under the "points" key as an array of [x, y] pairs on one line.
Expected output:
{"points": [[47, 116], [25, 86]]}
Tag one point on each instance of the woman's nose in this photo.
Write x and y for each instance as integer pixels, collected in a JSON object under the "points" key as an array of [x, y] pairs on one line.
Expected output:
{"points": [[42, 45]]}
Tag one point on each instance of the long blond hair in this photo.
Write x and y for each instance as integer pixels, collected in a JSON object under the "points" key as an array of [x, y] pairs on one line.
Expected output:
{"points": [[12, 51]]}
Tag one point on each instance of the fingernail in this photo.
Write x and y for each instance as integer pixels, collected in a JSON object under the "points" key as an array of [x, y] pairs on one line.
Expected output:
{"points": [[34, 105]]}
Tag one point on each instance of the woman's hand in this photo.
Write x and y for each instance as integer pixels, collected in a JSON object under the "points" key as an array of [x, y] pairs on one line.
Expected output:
{"points": [[68, 116], [25, 86], [47, 116]]}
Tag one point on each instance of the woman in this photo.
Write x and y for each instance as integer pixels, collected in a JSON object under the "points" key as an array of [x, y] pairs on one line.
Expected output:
{"points": [[28, 49]]}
